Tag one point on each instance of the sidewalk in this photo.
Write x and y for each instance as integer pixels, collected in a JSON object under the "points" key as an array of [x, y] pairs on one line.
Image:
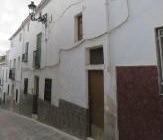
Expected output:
{"points": [[17, 127]]}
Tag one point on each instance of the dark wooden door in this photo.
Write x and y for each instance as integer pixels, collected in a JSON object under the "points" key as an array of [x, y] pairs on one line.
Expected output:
{"points": [[39, 44], [47, 90], [96, 102], [17, 96], [8, 91], [25, 86], [35, 96]]}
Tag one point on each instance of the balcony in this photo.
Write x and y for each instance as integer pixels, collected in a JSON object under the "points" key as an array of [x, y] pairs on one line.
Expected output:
{"points": [[12, 74], [25, 57], [37, 59]]}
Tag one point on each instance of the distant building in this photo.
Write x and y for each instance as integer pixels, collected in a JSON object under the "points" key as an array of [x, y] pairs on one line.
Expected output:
{"points": [[4, 72]]}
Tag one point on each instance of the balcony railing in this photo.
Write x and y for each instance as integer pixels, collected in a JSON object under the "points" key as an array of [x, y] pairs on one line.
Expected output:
{"points": [[37, 59], [12, 73], [25, 57]]}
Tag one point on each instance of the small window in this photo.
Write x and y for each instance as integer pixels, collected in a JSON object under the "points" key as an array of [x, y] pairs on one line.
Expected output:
{"points": [[26, 86], [10, 63], [6, 75], [96, 56], [47, 90], [20, 37], [28, 27], [79, 27], [18, 62], [26, 47], [14, 63], [39, 41]]}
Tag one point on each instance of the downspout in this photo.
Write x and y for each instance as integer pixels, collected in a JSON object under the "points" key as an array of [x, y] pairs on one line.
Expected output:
{"points": [[115, 28], [111, 66]]}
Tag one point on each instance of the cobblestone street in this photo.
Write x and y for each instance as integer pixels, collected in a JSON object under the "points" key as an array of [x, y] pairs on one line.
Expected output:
{"points": [[16, 127]]}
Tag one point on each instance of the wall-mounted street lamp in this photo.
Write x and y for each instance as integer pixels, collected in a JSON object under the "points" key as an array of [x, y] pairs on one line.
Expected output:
{"points": [[32, 12]]}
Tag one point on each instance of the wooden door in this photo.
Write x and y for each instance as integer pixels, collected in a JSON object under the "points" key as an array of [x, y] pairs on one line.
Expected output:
{"points": [[35, 96], [96, 103], [16, 95], [47, 90]]}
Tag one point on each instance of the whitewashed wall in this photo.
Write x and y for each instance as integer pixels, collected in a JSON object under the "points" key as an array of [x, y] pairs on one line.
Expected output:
{"points": [[134, 42], [130, 40], [60, 35]]}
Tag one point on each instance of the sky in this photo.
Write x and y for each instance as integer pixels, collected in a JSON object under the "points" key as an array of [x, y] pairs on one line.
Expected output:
{"points": [[12, 13]]}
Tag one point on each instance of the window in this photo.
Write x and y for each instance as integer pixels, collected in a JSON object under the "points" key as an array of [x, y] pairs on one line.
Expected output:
{"points": [[25, 54], [160, 50], [159, 40], [6, 74], [79, 27], [26, 86], [10, 63], [96, 56], [17, 93], [26, 47], [47, 90], [18, 62], [20, 37], [28, 26], [39, 41], [14, 63], [37, 53]]}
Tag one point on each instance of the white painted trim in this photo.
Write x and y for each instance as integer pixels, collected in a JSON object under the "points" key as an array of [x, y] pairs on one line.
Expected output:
{"points": [[90, 138], [95, 67]]}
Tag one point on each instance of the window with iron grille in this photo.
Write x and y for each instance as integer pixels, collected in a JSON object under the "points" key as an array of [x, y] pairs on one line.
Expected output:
{"points": [[96, 56], [47, 90], [37, 52]]}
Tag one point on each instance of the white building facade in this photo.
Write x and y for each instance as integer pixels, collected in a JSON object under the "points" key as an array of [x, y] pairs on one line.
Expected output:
{"points": [[81, 71], [4, 72]]}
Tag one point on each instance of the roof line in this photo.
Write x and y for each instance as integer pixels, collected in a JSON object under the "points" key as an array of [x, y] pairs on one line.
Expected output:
{"points": [[40, 6]]}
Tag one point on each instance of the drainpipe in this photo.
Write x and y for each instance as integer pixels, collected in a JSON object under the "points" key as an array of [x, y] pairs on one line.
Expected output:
{"points": [[110, 70], [111, 66]]}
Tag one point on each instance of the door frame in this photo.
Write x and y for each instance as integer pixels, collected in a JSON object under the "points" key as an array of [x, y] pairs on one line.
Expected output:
{"points": [[89, 98]]}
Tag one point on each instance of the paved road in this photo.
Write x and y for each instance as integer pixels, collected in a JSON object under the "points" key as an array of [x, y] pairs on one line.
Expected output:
{"points": [[16, 127]]}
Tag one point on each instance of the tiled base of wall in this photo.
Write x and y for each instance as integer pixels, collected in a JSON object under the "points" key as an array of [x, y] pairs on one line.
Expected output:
{"points": [[67, 117], [139, 109]]}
